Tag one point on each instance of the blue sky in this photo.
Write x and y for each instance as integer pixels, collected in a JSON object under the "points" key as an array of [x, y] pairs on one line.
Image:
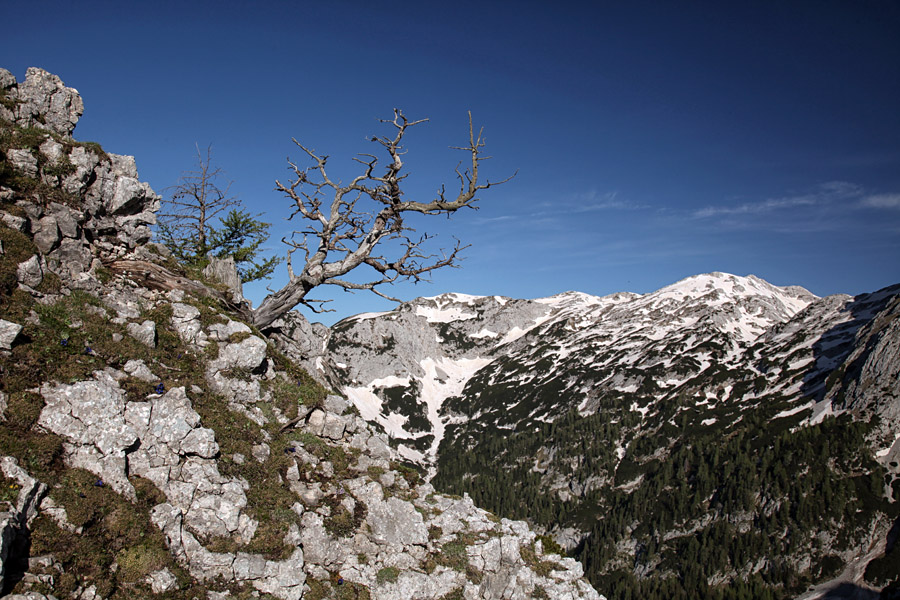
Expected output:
{"points": [[652, 140]]}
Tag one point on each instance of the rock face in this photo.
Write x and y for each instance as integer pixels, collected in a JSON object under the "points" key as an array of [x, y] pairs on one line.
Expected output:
{"points": [[868, 382], [101, 210], [42, 101]]}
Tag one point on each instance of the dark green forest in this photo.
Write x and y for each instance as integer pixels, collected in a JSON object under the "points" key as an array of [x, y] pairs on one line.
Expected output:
{"points": [[735, 506]]}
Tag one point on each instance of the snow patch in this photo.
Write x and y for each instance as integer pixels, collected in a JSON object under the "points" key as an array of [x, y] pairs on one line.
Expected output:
{"points": [[641, 409], [444, 315], [368, 315], [795, 410], [484, 333], [444, 378]]}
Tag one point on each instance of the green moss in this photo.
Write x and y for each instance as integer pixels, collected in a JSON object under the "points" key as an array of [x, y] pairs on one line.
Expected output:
{"points": [[67, 344], [550, 546], [335, 587], [114, 530], [6, 101], [341, 522], [387, 575], [9, 490], [409, 472], [17, 248], [539, 566], [453, 555], [136, 562]]}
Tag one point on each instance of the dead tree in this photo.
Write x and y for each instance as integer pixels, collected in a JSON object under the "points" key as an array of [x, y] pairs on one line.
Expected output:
{"points": [[345, 224], [186, 223]]}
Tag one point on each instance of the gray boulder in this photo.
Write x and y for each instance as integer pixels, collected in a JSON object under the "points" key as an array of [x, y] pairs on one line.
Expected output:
{"points": [[46, 233], [30, 272], [144, 332], [23, 161], [8, 333]]}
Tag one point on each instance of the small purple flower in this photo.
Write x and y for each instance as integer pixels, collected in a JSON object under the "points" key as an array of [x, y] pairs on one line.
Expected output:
{"points": [[88, 350], [64, 342], [340, 581], [98, 483], [160, 389]]}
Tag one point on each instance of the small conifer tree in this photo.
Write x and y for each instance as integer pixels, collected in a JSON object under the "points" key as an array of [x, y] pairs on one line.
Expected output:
{"points": [[192, 228]]}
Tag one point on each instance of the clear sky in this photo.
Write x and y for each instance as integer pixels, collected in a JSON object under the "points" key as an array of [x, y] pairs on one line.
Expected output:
{"points": [[652, 140]]}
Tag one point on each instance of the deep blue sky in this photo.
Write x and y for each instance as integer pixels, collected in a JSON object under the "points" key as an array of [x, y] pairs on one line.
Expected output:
{"points": [[653, 140]]}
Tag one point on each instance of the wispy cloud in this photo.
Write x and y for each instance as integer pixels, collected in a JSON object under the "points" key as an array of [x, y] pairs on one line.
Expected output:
{"points": [[591, 201], [882, 201], [754, 208], [825, 193], [494, 220]]}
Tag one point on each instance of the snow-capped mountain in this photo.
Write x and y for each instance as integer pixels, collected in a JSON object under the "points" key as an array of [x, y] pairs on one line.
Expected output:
{"points": [[564, 408], [498, 358]]}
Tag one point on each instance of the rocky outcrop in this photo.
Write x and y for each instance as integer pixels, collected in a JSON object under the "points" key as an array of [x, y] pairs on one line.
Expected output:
{"points": [[867, 383], [41, 101], [16, 519], [98, 207], [301, 341]]}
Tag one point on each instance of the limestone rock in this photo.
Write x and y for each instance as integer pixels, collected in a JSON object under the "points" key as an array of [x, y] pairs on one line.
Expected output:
{"points": [[14, 221], [66, 219], [161, 581], [46, 103], [246, 354], [139, 370], [222, 332], [333, 427], [9, 529], [46, 233], [52, 150], [336, 404], [91, 415], [144, 332], [8, 333], [396, 522], [261, 452], [23, 161], [186, 320], [30, 272], [316, 422], [71, 257]]}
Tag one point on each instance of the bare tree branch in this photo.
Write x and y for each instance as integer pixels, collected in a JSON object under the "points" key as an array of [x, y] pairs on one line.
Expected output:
{"points": [[345, 223]]}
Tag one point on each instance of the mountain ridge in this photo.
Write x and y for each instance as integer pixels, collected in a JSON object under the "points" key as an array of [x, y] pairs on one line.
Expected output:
{"points": [[486, 389]]}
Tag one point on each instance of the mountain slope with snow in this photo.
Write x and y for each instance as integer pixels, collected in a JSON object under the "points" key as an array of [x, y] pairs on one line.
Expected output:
{"points": [[565, 408]]}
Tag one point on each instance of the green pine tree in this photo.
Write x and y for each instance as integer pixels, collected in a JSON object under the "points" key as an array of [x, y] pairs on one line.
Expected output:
{"points": [[192, 228]]}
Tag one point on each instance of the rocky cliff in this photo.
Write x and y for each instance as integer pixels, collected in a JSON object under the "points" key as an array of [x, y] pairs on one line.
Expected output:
{"points": [[153, 444]]}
